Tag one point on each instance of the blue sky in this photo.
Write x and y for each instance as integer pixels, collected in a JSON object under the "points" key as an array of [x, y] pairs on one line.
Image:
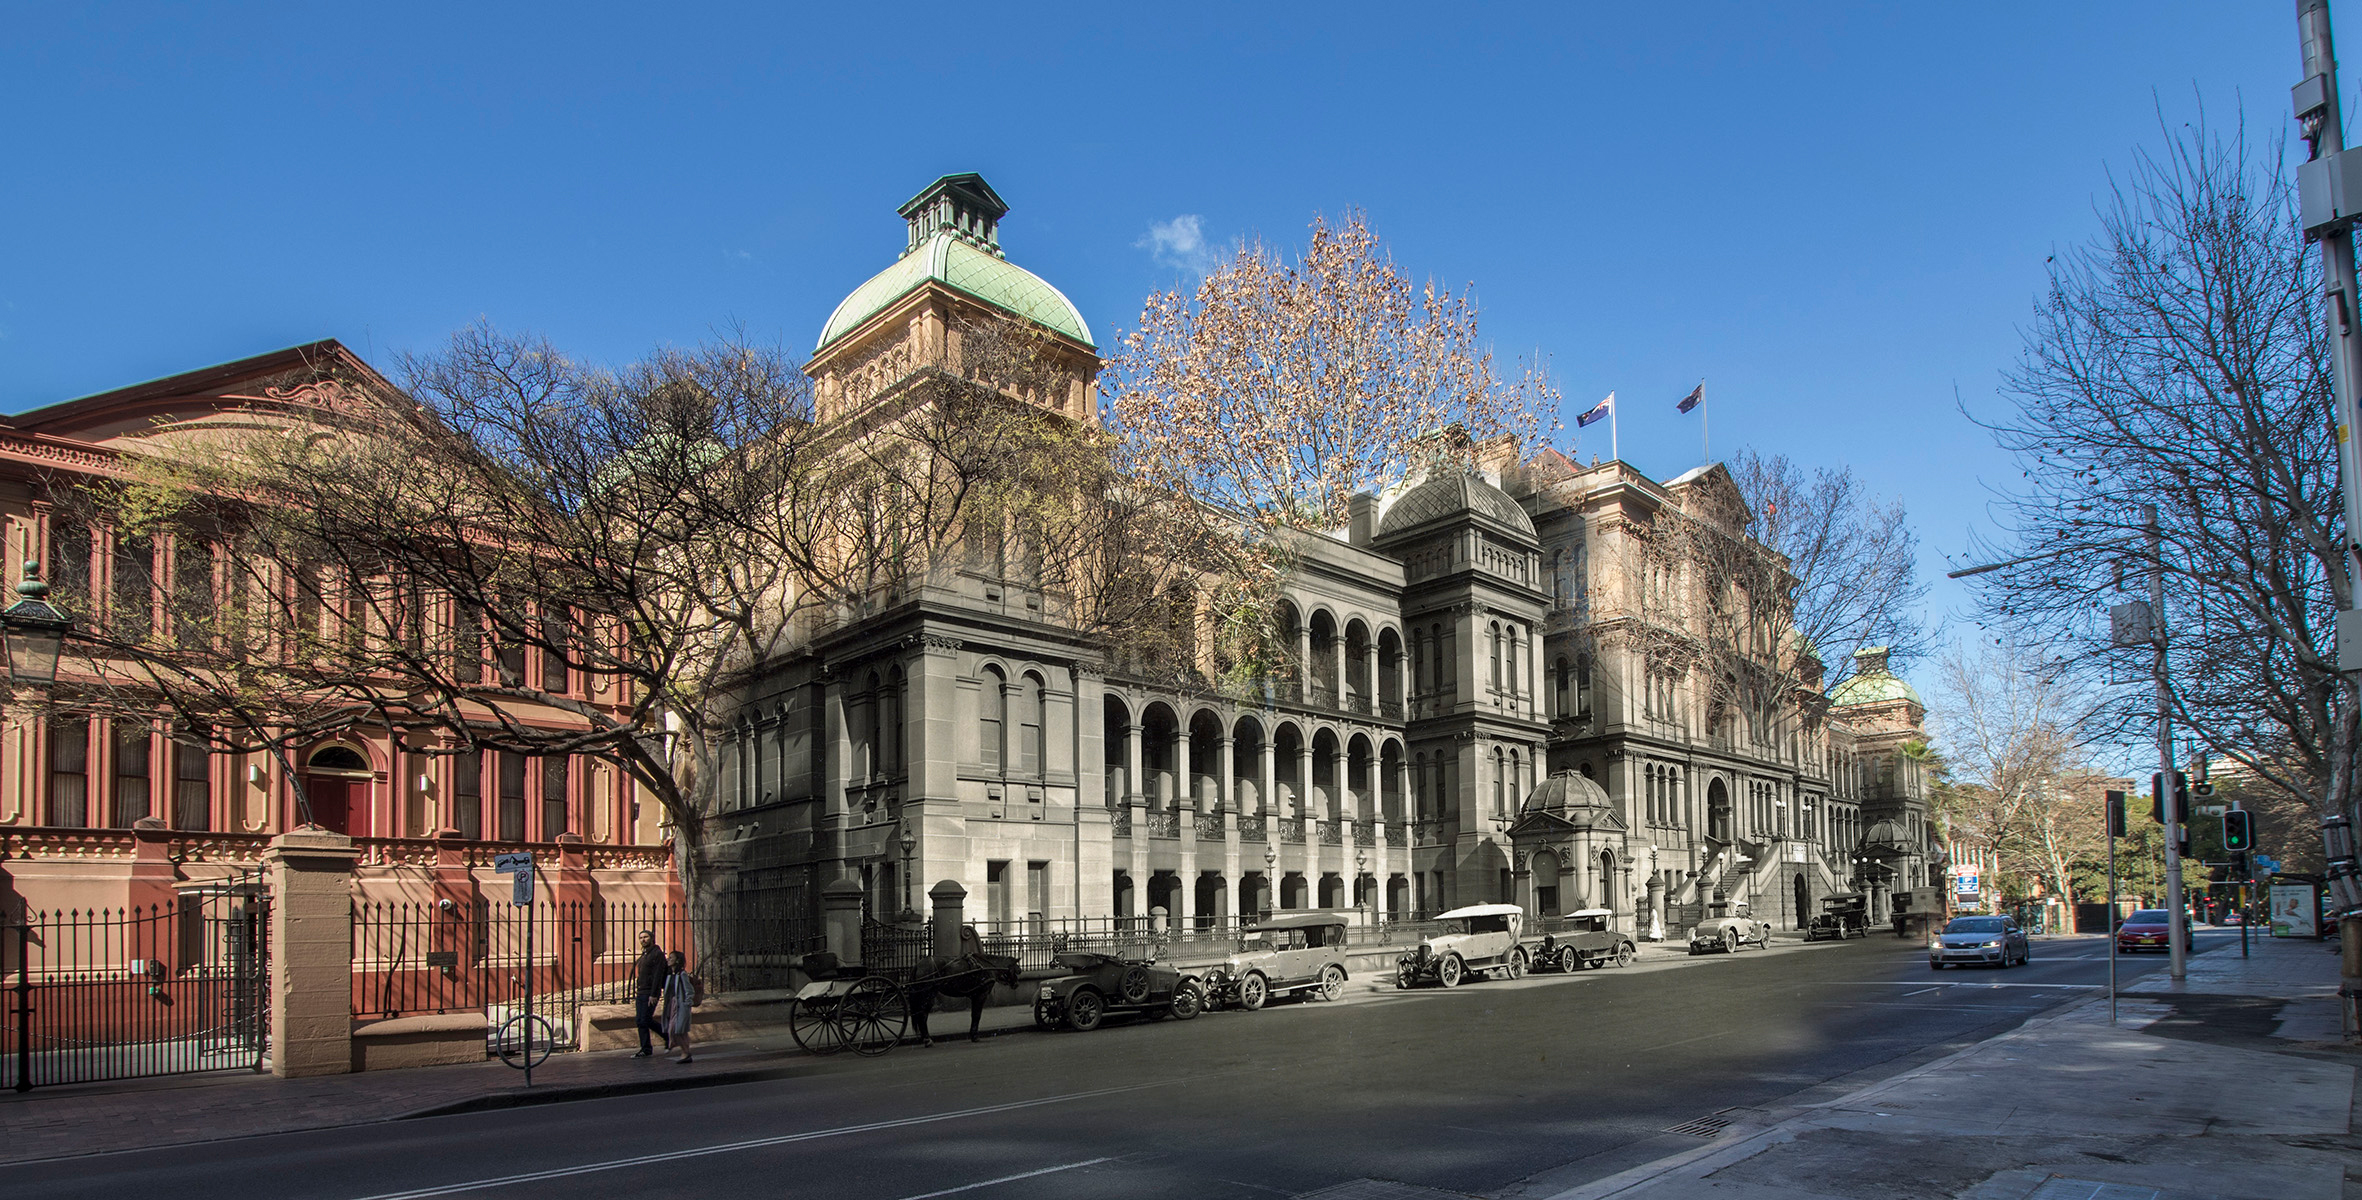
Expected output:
{"points": [[1836, 215]]}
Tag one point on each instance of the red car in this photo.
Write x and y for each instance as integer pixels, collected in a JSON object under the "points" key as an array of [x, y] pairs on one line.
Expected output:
{"points": [[2143, 930]]}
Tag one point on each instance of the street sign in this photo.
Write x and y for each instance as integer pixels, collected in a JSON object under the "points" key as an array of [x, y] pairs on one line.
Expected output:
{"points": [[519, 869]]}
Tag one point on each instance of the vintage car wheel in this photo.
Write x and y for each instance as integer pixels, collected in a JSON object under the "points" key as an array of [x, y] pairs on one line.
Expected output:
{"points": [[1188, 1000], [1623, 954], [1730, 941], [1763, 940], [1041, 1016], [1332, 982], [1448, 971], [1404, 977], [1516, 969], [1253, 990], [1084, 1010], [1569, 960], [1133, 987]]}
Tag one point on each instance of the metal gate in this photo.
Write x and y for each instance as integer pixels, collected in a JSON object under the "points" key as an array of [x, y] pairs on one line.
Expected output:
{"points": [[124, 993]]}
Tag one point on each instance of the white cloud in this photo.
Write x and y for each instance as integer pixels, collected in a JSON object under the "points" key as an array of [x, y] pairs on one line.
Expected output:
{"points": [[1180, 243]]}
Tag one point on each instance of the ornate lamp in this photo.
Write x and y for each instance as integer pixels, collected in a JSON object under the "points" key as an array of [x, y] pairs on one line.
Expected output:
{"points": [[910, 841], [36, 631]]}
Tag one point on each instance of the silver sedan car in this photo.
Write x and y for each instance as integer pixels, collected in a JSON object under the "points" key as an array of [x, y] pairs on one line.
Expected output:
{"points": [[1991, 941]]}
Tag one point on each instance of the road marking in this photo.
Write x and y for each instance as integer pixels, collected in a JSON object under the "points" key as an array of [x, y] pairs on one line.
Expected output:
{"points": [[1683, 1042], [1923, 991], [1088, 1162], [1912, 983], [617, 1164]]}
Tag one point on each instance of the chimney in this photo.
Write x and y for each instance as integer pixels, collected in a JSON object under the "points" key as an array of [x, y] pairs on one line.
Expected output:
{"points": [[1364, 525]]}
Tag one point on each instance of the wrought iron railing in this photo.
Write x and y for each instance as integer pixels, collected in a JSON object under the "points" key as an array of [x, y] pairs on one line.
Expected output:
{"points": [[1332, 833], [1253, 829], [1365, 833], [1292, 832], [1121, 826], [1166, 824], [1209, 827]]}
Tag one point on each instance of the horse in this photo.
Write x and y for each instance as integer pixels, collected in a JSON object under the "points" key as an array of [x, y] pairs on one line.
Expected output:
{"points": [[971, 975]]}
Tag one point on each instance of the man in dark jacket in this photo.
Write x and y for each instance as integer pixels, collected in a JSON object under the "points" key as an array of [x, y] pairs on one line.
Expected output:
{"points": [[648, 972]]}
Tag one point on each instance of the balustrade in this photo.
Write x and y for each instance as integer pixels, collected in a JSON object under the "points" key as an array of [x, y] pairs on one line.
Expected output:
{"points": [[1166, 824], [1332, 833], [1253, 829], [1291, 832], [1209, 827]]}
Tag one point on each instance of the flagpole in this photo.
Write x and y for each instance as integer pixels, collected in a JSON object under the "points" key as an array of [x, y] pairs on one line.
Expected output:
{"points": [[1704, 446], [1615, 452]]}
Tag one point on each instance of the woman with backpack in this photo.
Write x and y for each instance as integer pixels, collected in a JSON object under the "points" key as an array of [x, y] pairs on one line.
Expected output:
{"points": [[680, 996]]}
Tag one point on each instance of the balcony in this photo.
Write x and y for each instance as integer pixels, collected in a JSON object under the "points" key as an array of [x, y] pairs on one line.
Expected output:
{"points": [[1210, 827], [1253, 829], [1332, 833], [1365, 833], [1166, 824], [1122, 825], [1291, 833]]}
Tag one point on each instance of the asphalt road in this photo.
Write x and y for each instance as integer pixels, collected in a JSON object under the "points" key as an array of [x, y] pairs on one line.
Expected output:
{"points": [[1497, 1088]]}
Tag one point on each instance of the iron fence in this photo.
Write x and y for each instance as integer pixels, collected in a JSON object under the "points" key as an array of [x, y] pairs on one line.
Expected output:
{"points": [[413, 958], [126, 993]]}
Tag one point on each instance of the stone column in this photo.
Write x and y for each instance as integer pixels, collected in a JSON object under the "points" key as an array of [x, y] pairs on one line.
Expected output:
{"points": [[949, 899], [311, 877], [1370, 690], [1267, 765], [840, 914], [1303, 779], [1094, 838], [1132, 758], [1304, 655], [929, 711]]}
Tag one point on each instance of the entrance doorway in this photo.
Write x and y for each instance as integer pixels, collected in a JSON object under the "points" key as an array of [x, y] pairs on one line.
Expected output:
{"points": [[1718, 815], [337, 781]]}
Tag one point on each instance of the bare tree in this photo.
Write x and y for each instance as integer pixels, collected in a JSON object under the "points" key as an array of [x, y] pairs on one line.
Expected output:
{"points": [[1853, 554], [2018, 783], [649, 535], [2177, 360]]}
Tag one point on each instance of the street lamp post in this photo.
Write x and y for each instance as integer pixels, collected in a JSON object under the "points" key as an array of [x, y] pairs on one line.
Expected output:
{"points": [[910, 841], [1366, 902], [1270, 877]]}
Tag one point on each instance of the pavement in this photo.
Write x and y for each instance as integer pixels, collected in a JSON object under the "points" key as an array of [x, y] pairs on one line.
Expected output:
{"points": [[2228, 1084]]}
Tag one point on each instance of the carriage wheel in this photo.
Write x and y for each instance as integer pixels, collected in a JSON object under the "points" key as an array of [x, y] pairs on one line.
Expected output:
{"points": [[874, 1015], [814, 1024]]}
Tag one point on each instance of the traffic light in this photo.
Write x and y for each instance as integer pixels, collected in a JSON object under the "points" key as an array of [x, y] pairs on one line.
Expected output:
{"points": [[2238, 830], [2115, 814], [2181, 797]]}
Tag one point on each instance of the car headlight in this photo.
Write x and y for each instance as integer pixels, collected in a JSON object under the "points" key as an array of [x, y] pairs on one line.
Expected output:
{"points": [[1048, 993], [1989, 945]]}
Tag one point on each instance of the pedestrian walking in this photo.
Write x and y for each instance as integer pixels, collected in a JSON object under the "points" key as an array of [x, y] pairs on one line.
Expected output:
{"points": [[648, 975], [680, 996]]}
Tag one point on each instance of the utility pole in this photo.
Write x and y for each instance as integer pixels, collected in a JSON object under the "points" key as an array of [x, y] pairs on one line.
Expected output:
{"points": [[2177, 937], [2329, 192]]}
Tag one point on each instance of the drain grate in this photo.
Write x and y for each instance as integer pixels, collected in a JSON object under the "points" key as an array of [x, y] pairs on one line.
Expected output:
{"points": [[1703, 1127]]}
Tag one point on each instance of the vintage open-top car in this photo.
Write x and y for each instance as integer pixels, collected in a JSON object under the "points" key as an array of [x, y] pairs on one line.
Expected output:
{"points": [[1099, 985], [1729, 933], [1843, 915], [1477, 939], [1586, 939], [1294, 953]]}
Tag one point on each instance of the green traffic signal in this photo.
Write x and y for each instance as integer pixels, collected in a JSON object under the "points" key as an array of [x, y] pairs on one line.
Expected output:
{"points": [[2238, 830]]}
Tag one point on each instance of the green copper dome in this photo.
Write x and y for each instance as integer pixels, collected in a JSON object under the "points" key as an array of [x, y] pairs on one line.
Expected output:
{"points": [[955, 241], [1872, 683]]}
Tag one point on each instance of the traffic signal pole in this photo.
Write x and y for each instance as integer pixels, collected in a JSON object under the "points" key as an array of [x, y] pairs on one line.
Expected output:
{"points": [[2327, 215], [2177, 937]]}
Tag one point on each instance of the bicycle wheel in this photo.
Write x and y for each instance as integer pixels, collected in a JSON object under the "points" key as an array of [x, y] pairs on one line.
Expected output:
{"points": [[874, 1015], [525, 1041]]}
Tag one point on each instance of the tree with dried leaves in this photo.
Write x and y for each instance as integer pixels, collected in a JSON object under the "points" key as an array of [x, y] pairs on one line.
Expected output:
{"points": [[1278, 389], [2178, 360]]}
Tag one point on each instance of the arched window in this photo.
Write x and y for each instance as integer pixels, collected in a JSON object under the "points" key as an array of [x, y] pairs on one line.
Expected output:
{"points": [[1582, 684], [1029, 725], [991, 697]]}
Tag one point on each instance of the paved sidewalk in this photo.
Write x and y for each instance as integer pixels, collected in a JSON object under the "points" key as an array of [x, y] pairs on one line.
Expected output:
{"points": [[2228, 1084], [138, 1114]]}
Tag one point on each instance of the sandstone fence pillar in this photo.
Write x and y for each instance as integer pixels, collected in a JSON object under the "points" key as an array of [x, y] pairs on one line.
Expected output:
{"points": [[949, 900], [311, 877], [840, 912]]}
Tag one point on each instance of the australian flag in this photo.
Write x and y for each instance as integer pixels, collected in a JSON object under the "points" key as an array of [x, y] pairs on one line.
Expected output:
{"points": [[1696, 397], [1597, 412]]}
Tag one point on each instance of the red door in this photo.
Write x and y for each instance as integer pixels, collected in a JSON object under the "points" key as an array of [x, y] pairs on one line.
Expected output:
{"points": [[338, 804]]}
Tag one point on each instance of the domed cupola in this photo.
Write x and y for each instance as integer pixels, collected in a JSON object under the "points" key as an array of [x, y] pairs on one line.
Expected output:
{"points": [[955, 241], [1453, 494], [1570, 801]]}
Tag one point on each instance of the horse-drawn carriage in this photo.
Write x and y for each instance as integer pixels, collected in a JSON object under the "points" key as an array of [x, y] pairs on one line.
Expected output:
{"points": [[869, 1011]]}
